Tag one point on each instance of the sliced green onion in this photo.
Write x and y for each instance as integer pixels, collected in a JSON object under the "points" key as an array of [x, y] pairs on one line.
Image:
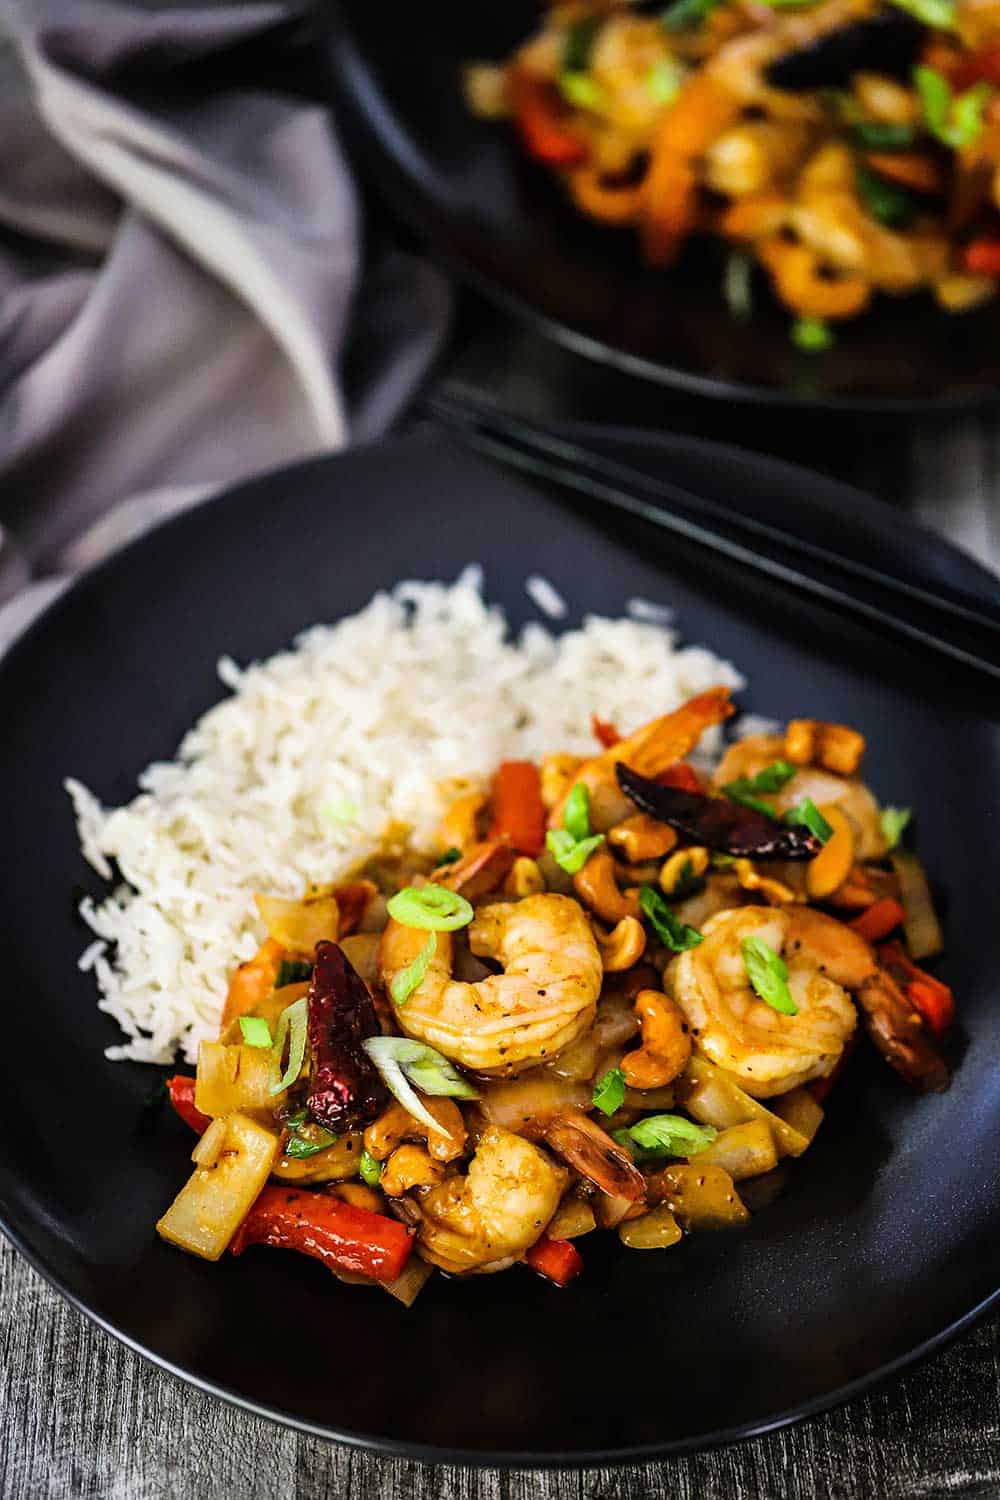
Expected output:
{"points": [[292, 1023], [256, 1032], [580, 90], [672, 1135], [768, 974], [400, 1060], [888, 203], [300, 1148], [672, 932], [771, 779], [685, 13], [299, 1118], [879, 135], [722, 861], [956, 121], [967, 114], [664, 80], [737, 791], [579, 41], [570, 854], [812, 335], [893, 820], [576, 813], [809, 815], [737, 285], [431, 907], [450, 856], [292, 971], [609, 1091], [937, 13], [370, 1169], [406, 981]]}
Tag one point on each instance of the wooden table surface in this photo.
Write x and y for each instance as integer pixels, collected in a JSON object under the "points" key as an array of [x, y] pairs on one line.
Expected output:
{"points": [[82, 1416]]}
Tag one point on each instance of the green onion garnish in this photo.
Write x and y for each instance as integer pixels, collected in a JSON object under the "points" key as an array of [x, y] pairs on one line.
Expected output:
{"points": [[576, 813], [768, 974], [292, 971], [887, 203], [685, 13], [664, 80], [300, 1148], [292, 1023], [937, 13], [569, 854], [450, 856], [369, 1169], [403, 1062], [811, 335], [737, 285], [406, 981], [808, 814], [579, 41], [256, 1032], [668, 1135], [878, 135], [580, 90], [431, 907], [672, 932], [955, 120], [893, 821], [773, 777], [609, 1091]]}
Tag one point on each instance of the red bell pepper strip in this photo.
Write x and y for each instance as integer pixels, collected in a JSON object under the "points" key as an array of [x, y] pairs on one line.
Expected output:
{"points": [[518, 811], [542, 123], [982, 257], [180, 1091], [979, 67], [343, 1237], [604, 732], [878, 920], [682, 776], [559, 1260], [820, 1087], [934, 1000]]}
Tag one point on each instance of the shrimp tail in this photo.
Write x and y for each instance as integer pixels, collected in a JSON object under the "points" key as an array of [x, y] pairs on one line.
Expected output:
{"points": [[900, 1034], [590, 1151]]}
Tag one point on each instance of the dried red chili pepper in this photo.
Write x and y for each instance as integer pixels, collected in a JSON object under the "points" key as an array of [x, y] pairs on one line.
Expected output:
{"points": [[345, 1089], [716, 822]]}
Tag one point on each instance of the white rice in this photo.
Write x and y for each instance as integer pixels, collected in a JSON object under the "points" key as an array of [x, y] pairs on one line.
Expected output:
{"points": [[381, 718]]}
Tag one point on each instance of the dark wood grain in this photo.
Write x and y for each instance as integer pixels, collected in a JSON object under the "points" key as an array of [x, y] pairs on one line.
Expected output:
{"points": [[83, 1418]]}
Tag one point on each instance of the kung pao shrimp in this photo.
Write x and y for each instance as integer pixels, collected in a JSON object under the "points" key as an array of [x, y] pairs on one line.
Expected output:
{"points": [[846, 147], [615, 997]]}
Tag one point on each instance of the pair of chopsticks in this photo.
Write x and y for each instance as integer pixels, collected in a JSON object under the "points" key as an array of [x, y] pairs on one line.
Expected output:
{"points": [[944, 620]]}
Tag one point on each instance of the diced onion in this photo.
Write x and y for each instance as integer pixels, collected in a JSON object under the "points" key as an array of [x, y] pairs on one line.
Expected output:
{"points": [[399, 1056]]}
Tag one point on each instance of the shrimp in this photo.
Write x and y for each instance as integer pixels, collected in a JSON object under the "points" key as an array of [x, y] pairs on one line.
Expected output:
{"points": [[749, 757], [545, 998], [488, 1218], [649, 751], [768, 1052]]}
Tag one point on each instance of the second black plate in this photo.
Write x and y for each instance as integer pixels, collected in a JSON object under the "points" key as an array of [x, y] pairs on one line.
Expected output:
{"points": [[506, 226]]}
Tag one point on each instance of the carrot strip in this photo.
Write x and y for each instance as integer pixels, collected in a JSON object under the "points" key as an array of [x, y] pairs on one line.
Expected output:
{"points": [[545, 131], [518, 811], [982, 257], [879, 920], [559, 1260]]}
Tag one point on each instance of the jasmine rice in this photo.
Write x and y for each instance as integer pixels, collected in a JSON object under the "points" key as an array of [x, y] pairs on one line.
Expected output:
{"points": [[382, 718]]}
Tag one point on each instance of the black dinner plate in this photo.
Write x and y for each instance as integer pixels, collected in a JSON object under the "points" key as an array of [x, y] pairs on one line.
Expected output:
{"points": [[884, 1243], [506, 226]]}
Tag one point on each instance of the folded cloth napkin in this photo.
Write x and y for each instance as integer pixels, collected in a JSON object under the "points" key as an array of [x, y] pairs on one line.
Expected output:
{"points": [[179, 268]]}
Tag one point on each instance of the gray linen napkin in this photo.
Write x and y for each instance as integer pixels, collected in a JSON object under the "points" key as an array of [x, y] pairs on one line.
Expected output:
{"points": [[179, 262]]}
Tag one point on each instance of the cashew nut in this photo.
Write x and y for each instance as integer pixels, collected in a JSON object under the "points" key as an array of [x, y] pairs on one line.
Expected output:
{"points": [[774, 891], [358, 1196], [395, 1124], [682, 866], [623, 946], [409, 1166], [666, 1042], [642, 837], [524, 879], [597, 888], [556, 773]]}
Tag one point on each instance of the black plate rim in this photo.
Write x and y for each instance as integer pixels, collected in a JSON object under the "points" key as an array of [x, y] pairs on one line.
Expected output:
{"points": [[385, 175], [427, 1453]]}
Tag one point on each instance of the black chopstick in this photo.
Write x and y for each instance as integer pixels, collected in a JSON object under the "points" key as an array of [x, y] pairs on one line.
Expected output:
{"points": [[960, 627]]}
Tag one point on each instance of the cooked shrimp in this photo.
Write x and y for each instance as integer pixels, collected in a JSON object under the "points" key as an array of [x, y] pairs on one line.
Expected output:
{"points": [[545, 998], [649, 750], [768, 1052], [749, 757], [488, 1218]]}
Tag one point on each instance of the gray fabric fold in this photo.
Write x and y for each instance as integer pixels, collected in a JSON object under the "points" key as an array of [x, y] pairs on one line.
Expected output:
{"points": [[179, 260]]}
